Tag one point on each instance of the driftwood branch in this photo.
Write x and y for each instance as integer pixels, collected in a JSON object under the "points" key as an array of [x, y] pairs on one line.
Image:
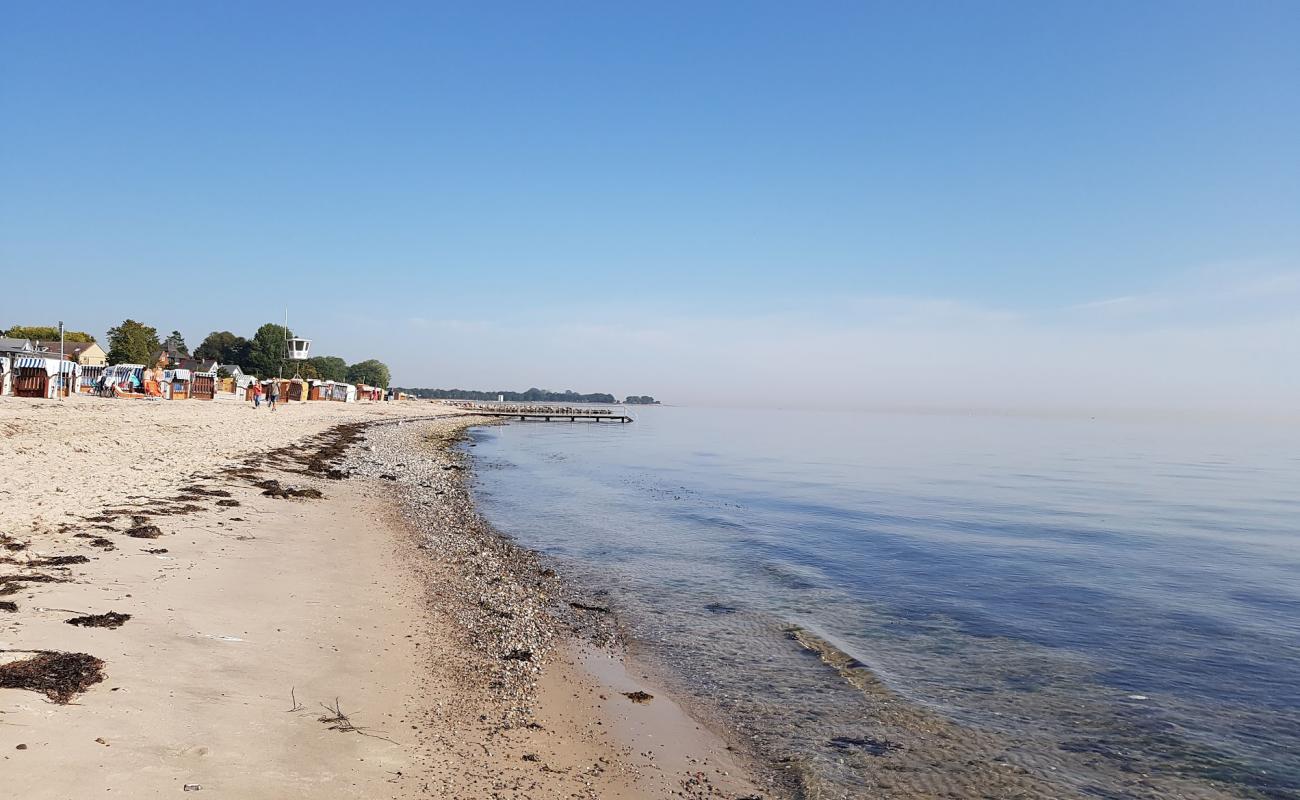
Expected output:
{"points": [[338, 721]]}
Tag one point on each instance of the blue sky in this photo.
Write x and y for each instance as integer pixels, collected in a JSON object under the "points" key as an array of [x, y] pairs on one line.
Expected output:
{"points": [[876, 196]]}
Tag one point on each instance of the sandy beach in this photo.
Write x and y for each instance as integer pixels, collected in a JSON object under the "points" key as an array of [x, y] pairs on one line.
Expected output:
{"points": [[304, 612]]}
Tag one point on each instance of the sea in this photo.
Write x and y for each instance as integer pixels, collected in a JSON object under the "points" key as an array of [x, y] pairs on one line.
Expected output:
{"points": [[1118, 600]]}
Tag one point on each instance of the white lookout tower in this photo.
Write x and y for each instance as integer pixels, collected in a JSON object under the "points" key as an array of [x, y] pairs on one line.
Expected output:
{"points": [[297, 349]]}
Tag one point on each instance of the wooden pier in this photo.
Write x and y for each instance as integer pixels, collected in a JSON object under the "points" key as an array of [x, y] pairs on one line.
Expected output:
{"points": [[551, 416]]}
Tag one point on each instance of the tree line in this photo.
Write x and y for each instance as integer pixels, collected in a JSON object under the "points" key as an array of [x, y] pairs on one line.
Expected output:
{"points": [[45, 334], [533, 395], [133, 342]]}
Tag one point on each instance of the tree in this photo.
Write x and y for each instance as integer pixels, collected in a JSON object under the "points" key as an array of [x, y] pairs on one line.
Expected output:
{"points": [[370, 372], [175, 339], [132, 343], [329, 368], [46, 333], [266, 353], [225, 347]]}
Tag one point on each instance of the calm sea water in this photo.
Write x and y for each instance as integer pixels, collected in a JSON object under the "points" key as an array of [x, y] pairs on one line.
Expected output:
{"points": [[1127, 591]]}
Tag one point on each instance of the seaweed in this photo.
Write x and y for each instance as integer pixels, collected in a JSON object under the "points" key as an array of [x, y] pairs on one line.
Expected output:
{"points": [[12, 584], [110, 620], [273, 488], [58, 561], [203, 490], [59, 676], [144, 532], [172, 511], [8, 605]]}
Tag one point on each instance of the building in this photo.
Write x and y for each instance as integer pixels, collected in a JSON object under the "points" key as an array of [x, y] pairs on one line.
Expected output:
{"points": [[170, 357], [13, 346], [87, 354]]}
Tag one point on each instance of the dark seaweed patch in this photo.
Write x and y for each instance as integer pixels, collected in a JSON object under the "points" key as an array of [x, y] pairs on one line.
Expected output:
{"points": [[144, 532], [12, 584], [273, 488], [58, 561], [110, 620], [59, 676], [203, 490]]}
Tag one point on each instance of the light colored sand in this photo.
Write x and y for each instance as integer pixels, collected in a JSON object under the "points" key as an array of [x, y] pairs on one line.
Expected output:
{"points": [[62, 457], [329, 599]]}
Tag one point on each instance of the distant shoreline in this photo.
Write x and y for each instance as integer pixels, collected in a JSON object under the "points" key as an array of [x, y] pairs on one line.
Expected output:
{"points": [[533, 395]]}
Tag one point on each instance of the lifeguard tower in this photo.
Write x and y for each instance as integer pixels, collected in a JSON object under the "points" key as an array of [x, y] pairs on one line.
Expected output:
{"points": [[297, 348]]}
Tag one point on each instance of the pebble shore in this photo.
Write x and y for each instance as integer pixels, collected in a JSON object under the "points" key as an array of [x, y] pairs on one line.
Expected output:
{"points": [[510, 607]]}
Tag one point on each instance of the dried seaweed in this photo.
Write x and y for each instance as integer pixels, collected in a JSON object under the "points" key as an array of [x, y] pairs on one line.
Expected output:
{"points": [[12, 584], [203, 490], [273, 488], [110, 620], [59, 676], [172, 511], [144, 532], [58, 561]]}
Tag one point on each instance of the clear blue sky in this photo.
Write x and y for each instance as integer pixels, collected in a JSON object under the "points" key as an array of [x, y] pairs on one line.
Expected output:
{"points": [[478, 173]]}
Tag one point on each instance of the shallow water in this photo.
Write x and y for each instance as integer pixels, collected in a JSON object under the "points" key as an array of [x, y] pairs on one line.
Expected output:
{"points": [[1115, 598]]}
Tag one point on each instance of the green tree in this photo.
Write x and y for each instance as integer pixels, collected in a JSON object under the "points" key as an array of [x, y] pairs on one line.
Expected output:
{"points": [[371, 372], [175, 338], [132, 343], [225, 348], [266, 355], [330, 368], [46, 333]]}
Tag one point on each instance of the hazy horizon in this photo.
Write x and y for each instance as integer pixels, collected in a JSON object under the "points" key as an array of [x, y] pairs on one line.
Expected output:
{"points": [[1048, 209]]}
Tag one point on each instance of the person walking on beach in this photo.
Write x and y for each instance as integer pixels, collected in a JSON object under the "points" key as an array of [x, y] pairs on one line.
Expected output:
{"points": [[273, 394], [257, 395]]}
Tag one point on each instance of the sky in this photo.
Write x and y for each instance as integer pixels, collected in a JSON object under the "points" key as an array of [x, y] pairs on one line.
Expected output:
{"points": [[1008, 205]]}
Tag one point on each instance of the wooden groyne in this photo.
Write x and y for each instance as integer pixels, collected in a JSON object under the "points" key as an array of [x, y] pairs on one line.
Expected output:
{"points": [[551, 416], [538, 411]]}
